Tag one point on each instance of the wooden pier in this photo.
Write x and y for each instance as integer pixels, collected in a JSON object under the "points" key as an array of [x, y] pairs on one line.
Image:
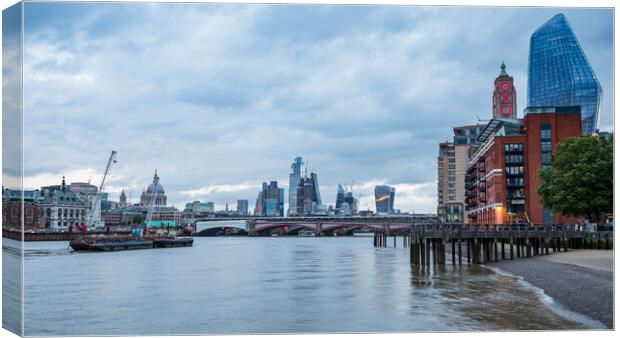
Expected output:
{"points": [[477, 244]]}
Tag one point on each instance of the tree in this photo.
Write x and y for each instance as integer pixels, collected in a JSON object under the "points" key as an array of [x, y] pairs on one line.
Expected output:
{"points": [[580, 179], [138, 219]]}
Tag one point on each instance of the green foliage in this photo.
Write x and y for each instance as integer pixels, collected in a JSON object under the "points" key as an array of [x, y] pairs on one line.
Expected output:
{"points": [[580, 180], [137, 219]]}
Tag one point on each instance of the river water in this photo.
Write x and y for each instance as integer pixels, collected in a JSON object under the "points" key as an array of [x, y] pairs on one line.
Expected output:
{"points": [[267, 285]]}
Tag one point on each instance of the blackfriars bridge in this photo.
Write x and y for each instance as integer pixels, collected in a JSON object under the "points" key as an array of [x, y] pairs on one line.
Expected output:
{"points": [[319, 225]]}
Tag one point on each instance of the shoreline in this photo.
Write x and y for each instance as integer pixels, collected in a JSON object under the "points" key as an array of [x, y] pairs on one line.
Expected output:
{"points": [[579, 281]]}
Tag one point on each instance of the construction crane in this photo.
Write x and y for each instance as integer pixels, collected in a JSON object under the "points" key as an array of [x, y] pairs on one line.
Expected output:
{"points": [[96, 205]]}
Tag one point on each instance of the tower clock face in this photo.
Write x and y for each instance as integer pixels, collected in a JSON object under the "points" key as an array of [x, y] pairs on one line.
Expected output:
{"points": [[505, 86], [506, 110]]}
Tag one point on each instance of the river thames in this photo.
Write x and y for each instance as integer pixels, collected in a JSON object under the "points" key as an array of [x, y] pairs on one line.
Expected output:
{"points": [[225, 285]]}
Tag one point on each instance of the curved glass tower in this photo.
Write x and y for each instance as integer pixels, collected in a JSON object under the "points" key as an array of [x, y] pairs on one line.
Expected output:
{"points": [[559, 73]]}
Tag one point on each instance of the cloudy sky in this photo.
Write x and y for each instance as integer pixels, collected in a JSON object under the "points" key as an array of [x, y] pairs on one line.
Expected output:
{"points": [[219, 98]]}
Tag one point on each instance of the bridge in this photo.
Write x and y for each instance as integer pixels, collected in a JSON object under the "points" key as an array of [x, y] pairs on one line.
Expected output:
{"points": [[320, 225]]}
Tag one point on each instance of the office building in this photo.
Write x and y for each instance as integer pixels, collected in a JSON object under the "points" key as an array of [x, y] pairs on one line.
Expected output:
{"points": [[293, 183], [346, 204], [270, 200], [242, 207], [384, 199], [560, 75], [309, 196]]}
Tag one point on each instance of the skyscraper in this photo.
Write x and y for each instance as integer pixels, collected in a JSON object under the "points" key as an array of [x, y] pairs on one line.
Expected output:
{"points": [[560, 75], [242, 207], [384, 199], [270, 200], [309, 196], [293, 183], [346, 204], [339, 197]]}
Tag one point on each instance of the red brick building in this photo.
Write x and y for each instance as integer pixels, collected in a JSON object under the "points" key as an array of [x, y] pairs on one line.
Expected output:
{"points": [[502, 174], [12, 203]]}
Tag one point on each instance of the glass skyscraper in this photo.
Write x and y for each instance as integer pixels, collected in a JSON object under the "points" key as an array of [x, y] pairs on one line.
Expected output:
{"points": [[559, 73], [384, 199], [293, 183]]}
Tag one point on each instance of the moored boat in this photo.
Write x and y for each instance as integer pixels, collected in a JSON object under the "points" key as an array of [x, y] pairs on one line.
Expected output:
{"points": [[109, 243], [173, 242]]}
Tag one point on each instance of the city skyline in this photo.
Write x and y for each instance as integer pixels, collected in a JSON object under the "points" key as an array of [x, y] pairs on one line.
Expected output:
{"points": [[305, 92]]}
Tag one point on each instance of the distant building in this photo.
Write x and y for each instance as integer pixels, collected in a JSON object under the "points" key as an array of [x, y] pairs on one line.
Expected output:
{"points": [[309, 196], [293, 183], [502, 175], [122, 199], [242, 207], [89, 194], [270, 200], [339, 197], [560, 75], [346, 204], [154, 200], [13, 205], [62, 208], [384, 199], [154, 194], [200, 207]]}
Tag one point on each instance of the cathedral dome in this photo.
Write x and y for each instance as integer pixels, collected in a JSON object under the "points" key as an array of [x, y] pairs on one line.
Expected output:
{"points": [[155, 187]]}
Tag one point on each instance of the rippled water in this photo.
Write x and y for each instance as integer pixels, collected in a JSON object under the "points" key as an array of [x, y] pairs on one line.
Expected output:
{"points": [[269, 285]]}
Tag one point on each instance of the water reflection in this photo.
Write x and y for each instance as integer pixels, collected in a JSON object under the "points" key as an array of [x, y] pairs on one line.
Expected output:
{"points": [[267, 285]]}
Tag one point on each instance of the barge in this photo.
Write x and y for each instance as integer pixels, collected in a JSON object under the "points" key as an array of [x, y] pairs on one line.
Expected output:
{"points": [[116, 243]]}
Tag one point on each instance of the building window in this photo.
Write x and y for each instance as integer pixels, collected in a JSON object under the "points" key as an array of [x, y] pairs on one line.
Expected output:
{"points": [[545, 145], [514, 170], [513, 147]]}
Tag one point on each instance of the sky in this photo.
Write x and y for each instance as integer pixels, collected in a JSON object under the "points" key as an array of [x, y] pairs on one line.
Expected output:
{"points": [[221, 97]]}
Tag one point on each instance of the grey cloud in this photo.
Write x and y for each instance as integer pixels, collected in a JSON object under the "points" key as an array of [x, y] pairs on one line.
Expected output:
{"points": [[219, 95]]}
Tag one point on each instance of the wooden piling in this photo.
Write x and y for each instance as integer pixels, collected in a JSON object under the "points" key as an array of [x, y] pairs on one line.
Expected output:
{"points": [[528, 247], [428, 251], [512, 256], [422, 250], [460, 254], [453, 251]]}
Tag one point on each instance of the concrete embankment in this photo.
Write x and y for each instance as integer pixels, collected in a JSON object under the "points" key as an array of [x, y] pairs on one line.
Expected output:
{"points": [[580, 280]]}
